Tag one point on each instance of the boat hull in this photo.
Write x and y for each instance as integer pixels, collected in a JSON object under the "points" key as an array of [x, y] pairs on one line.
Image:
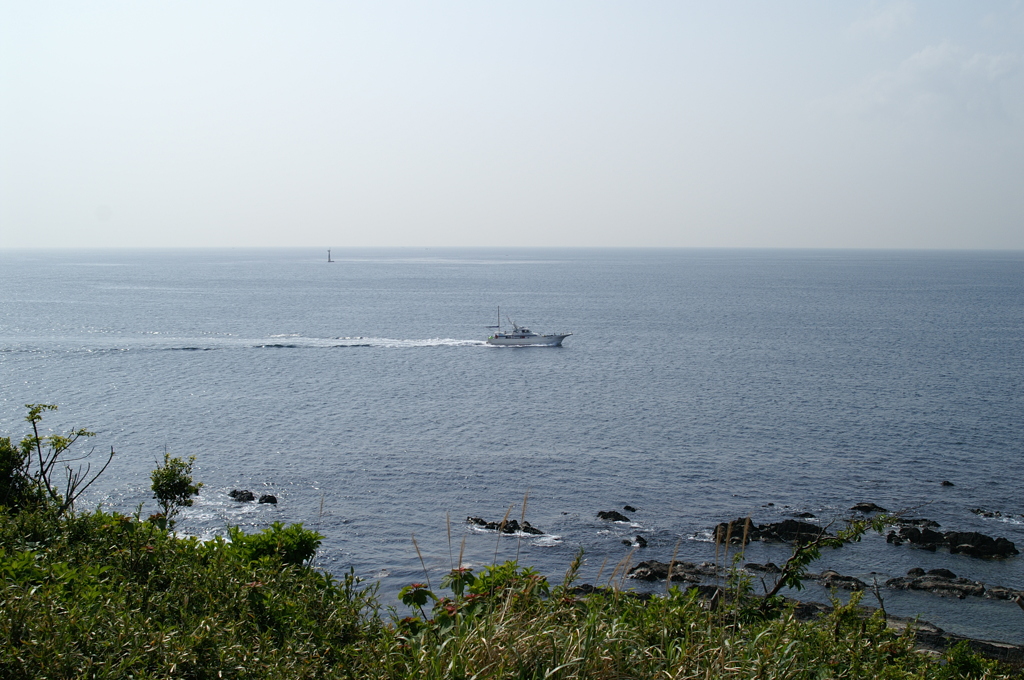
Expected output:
{"points": [[554, 340]]}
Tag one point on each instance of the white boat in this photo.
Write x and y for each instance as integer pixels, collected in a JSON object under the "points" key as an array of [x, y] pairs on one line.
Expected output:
{"points": [[520, 336]]}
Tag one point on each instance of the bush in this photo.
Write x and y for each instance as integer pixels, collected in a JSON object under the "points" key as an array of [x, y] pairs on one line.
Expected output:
{"points": [[291, 544], [173, 487], [105, 595]]}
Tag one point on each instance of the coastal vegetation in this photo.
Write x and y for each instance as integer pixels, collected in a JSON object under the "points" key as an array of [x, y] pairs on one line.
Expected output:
{"points": [[106, 595]]}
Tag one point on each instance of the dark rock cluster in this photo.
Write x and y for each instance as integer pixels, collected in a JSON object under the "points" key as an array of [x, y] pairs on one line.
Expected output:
{"points": [[959, 542], [510, 526], [833, 579], [992, 513], [612, 516], [786, 531], [246, 496], [652, 570], [938, 581], [766, 568], [868, 508]]}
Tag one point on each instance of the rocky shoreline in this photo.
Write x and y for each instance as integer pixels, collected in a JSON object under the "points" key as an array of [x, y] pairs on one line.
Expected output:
{"points": [[919, 533]]}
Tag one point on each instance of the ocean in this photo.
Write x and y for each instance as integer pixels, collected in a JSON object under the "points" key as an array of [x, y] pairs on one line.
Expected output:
{"points": [[698, 386]]}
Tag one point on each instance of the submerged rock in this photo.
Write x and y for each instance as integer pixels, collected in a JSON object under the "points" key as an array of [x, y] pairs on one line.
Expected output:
{"points": [[612, 516], [268, 498], [242, 495]]}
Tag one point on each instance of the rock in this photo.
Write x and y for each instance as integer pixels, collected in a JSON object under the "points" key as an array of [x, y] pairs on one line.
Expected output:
{"points": [[734, 531], [629, 508], [804, 515], [641, 542], [979, 545], [790, 530], [652, 570], [939, 585], [511, 526], [946, 482], [833, 579], [915, 572], [868, 508], [927, 523], [268, 498], [786, 531], [893, 538], [612, 516], [1001, 593], [925, 538], [986, 513], [944, 573], [242, 496], [767, 567]]}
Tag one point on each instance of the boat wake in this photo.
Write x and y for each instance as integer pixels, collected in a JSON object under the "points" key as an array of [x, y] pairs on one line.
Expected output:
{"points": [[358, 341], [133, 345]]}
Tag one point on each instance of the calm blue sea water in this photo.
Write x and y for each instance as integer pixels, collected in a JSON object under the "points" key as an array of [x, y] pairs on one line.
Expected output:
{"points": [[699, 385]]}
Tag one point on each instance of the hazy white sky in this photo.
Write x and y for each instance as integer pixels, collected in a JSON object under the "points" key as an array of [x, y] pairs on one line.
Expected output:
{"points": [[334, 124]]}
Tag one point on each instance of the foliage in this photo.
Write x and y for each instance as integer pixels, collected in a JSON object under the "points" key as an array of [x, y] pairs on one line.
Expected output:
{"points": [[108, 596], [962, 663], [173, 487], [504, 625], [291, 544], [795, 568], [14, 482], [38, 470]]}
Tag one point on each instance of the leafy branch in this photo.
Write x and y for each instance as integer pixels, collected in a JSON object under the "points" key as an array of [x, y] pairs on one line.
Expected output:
{"points": [[795, 568], [31, 471]]}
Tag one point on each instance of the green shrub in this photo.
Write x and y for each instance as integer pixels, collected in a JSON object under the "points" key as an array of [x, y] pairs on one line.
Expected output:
{"points": [[173, 487], [109, 596], [291, 544]]}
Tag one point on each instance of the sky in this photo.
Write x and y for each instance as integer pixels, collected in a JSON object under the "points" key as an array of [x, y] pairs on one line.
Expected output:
{"points": [[581, 124]]}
